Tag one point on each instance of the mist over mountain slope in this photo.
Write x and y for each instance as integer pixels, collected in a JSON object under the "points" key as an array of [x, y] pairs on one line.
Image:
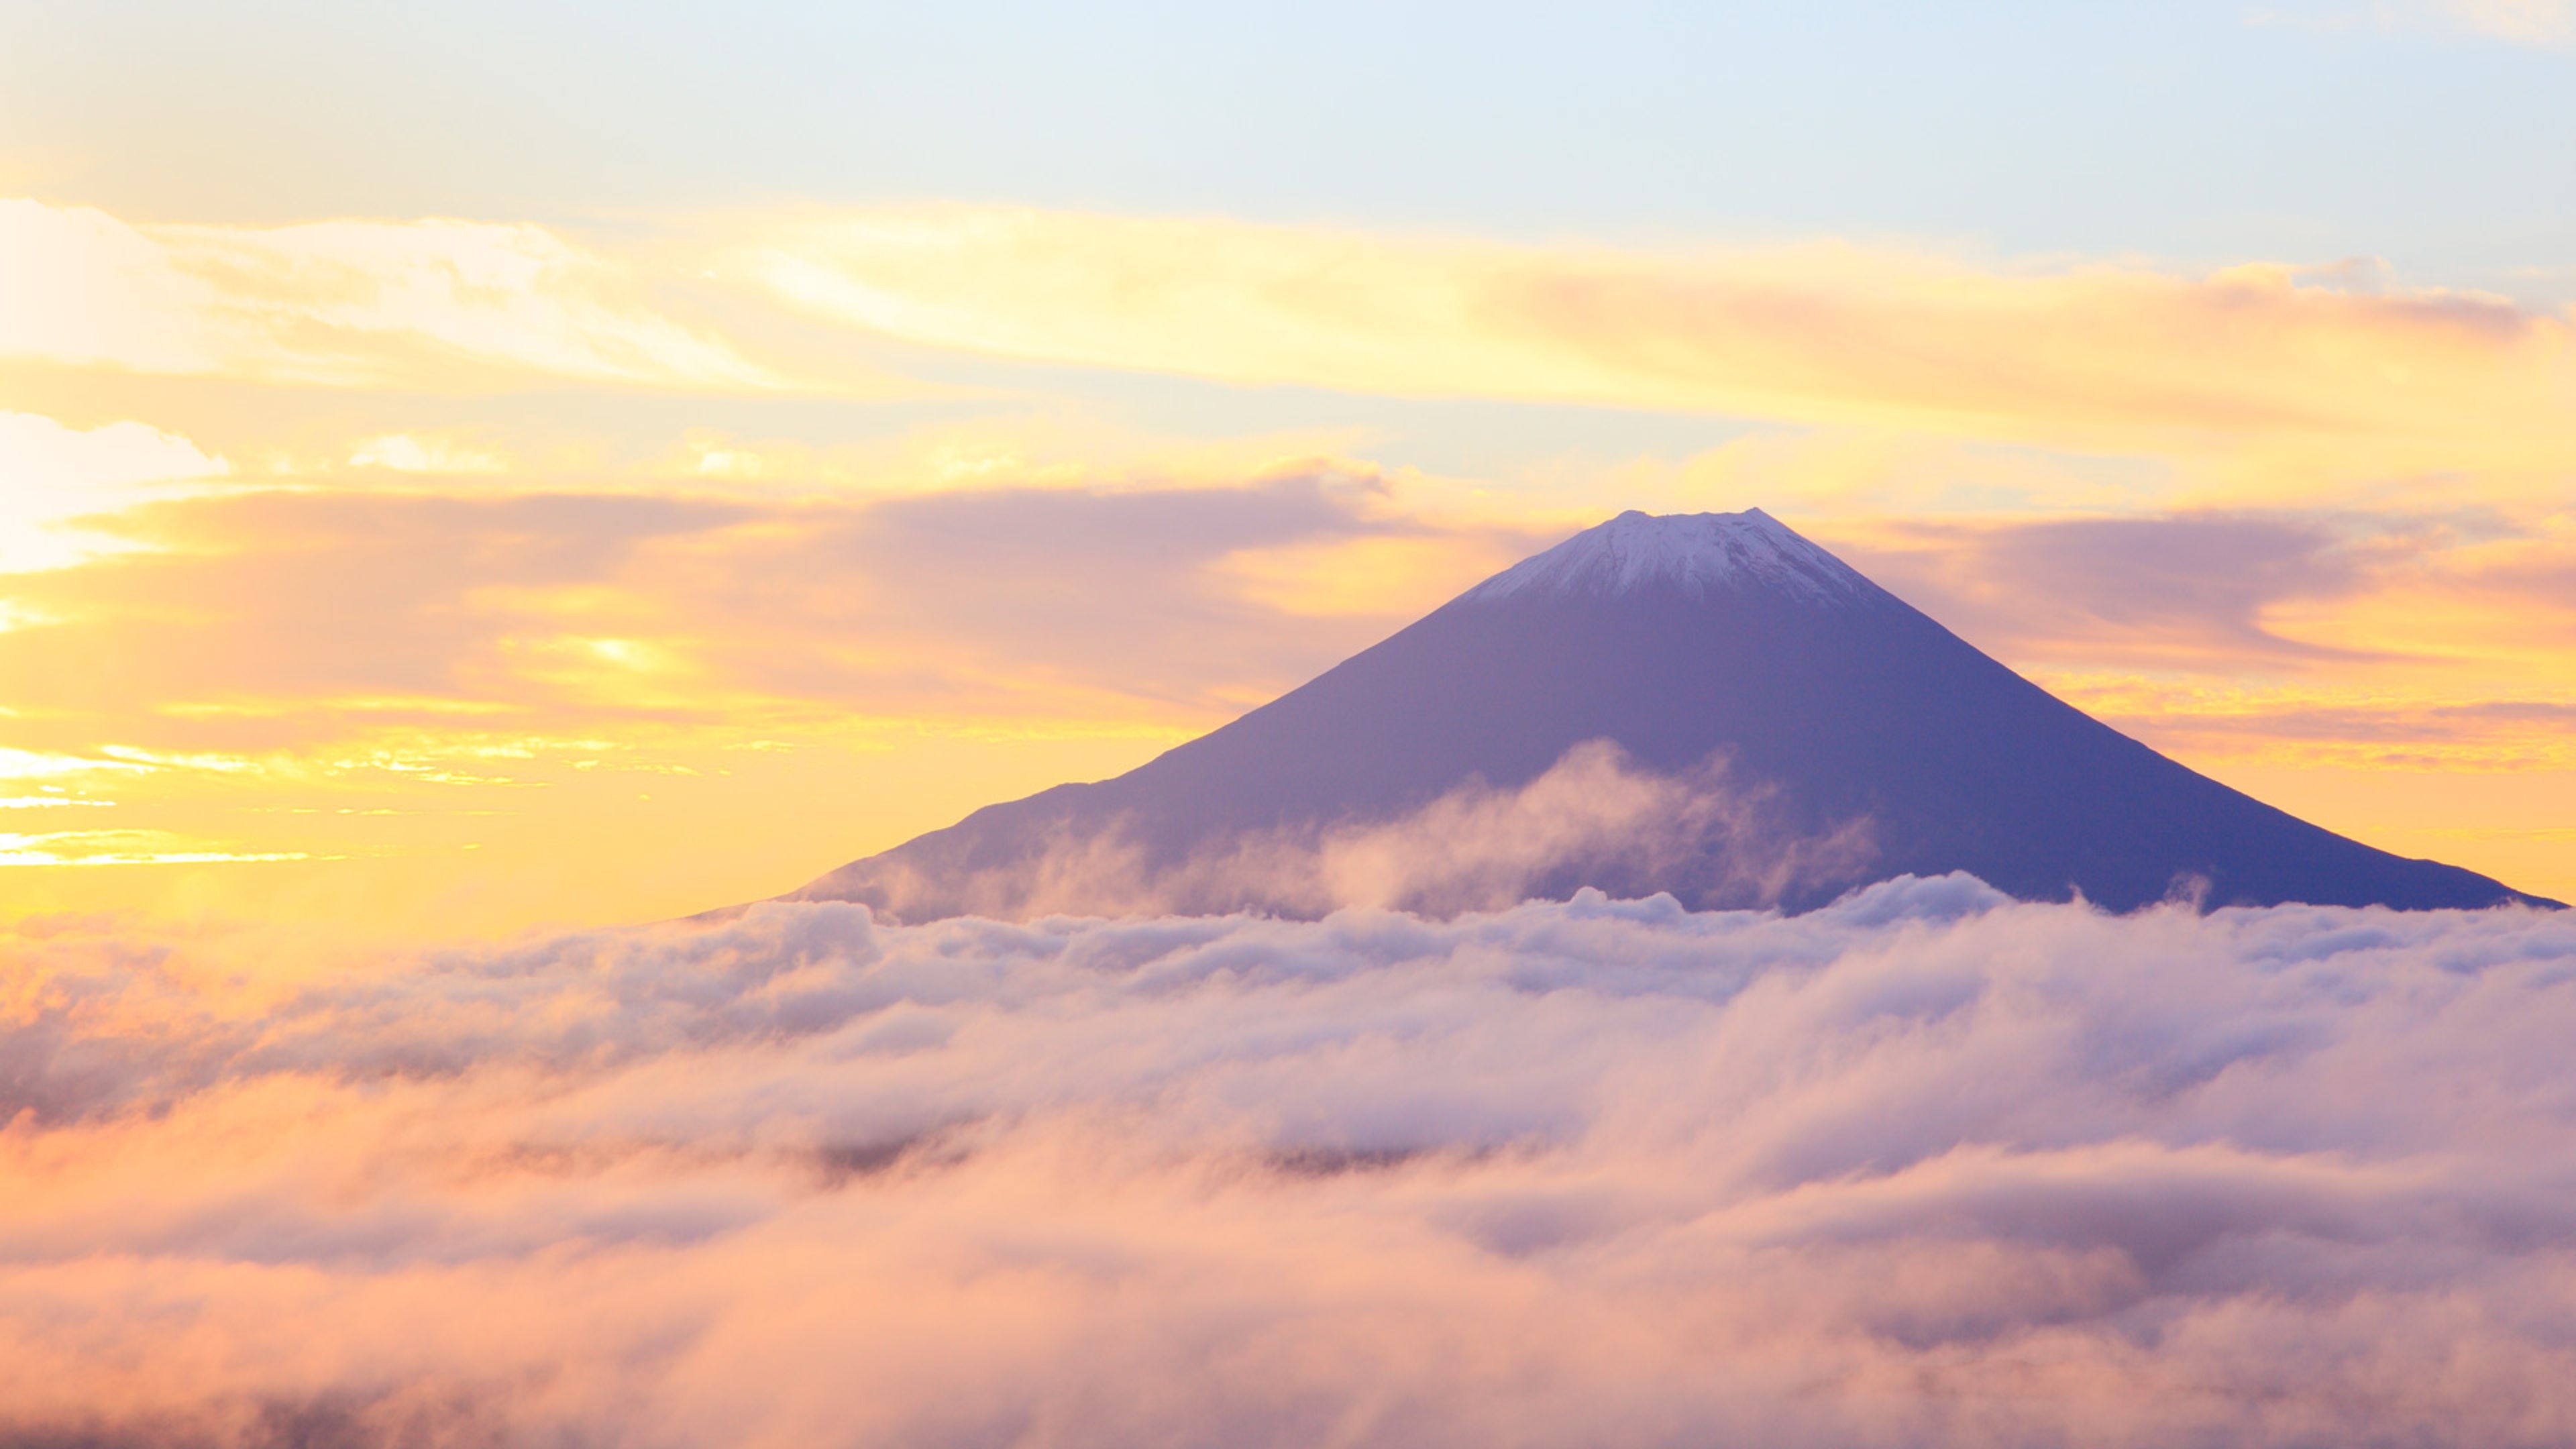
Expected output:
{"points": [[1705, 704]]}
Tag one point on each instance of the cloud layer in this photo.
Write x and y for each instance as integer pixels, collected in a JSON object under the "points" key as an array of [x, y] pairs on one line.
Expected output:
{"points": [[2316, 363], [441, 304], [2314, 373], [325, 521], [1925, 1168]]}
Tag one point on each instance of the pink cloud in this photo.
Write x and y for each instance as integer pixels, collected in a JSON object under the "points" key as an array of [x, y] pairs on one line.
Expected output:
{"points": [[1927, 1167]]}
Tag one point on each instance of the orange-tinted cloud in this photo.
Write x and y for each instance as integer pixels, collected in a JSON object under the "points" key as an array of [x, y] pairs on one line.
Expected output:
{"points": [[371, 678], [426, 304], [2098, 356], [606, 605], [2196, 591], [51, 475], [2533, 22], [1926, 1168], [271, 673], [2306, 496], [2295, 378]]}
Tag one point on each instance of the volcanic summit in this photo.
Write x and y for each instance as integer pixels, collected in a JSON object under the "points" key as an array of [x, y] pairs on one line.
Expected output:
{"points": [[1705, 704]]}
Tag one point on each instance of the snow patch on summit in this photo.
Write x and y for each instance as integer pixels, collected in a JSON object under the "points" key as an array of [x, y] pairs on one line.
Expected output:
{"points": [[1695, 552]]}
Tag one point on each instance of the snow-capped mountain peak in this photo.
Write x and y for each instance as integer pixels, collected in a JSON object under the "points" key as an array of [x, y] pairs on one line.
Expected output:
{"points": [[1694, 552], [1815, 733]]}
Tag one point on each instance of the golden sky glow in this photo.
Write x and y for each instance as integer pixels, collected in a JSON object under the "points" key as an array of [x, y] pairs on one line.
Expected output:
{"points": [[466, 573], [2329, 363], [494, 495]]}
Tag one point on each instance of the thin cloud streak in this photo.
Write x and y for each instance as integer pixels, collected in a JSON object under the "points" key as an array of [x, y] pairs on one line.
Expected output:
{"points": [[2531, 22], [2323, 372], [431, 304], [264, 672], [2093, 356], [406, 573], [228, 618], [2192, 590], [1927, 1167]]}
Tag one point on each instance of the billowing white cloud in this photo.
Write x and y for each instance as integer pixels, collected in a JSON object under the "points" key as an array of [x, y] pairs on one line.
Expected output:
{"points": [[1927, 1167]]}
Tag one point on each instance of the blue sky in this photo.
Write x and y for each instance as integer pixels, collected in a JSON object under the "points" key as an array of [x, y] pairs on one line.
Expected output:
{"points": [[2184, 132]]}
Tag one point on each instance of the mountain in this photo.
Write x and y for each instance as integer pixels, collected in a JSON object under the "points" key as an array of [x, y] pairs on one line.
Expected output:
{"points": [[1706, 704]]}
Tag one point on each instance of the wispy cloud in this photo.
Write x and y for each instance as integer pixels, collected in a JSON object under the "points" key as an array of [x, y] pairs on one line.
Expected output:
{"points": [[2523, 22], [2541, 22], [2177, 591], [998, 599], [412, 453], [121, 847], [426, 304], [2331, 367], [394, 564], [460, 645], [277, 668], [2094, 356], [51, 475]]}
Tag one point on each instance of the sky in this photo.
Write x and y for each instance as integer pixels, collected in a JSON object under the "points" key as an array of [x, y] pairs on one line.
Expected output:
{"points": [[480, 483], [475, 467]]}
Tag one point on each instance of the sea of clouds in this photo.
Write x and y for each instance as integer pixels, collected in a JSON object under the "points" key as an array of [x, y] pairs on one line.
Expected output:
{"points": [[1927, 1167]]}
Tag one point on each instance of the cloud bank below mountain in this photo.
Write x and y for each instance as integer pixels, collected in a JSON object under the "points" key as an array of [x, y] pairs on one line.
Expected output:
{"points": [[1927, 1167]]}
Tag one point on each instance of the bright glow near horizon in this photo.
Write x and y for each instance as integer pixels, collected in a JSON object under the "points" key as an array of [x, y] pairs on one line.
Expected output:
{"points": [[616, 497], [480, 482]]}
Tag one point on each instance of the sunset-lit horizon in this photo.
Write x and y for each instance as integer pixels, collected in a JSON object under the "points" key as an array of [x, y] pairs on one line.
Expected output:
{"points": [[1395, 726], [475, 572], [458, 514]]}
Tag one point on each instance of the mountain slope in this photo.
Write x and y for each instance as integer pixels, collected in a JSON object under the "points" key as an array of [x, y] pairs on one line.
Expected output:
{"points": [[1779, 729]]}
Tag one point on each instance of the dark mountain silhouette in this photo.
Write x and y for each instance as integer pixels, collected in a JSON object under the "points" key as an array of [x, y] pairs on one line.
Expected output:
{"points": [[1778, 731]]}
